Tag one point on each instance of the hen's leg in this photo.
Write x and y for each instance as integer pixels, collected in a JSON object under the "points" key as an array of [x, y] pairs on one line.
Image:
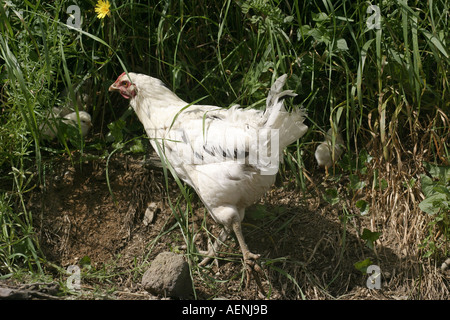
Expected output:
{"points": [[230, 217], [249, 258]]}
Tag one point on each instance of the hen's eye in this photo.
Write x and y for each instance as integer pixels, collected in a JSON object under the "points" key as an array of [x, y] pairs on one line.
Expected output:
{"points": [[124, 83]]}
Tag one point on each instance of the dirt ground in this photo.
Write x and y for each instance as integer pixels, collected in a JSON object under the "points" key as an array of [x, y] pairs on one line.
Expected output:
{"points": [[308, 247]]}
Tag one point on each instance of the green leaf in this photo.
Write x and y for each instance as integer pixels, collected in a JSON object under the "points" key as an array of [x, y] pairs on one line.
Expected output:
{"points": [[137, 146], [434, 203], [370, 237], [319, 17], [427, 185], [438, 172], [116, 128], [363, 159], [303, 31], [341, 44], [442, 189], [331, 196], [435, 41], [355, 183], [85, 262], [288, 19], [363, 207], [410, 183], [383, 184], [362, 265]]}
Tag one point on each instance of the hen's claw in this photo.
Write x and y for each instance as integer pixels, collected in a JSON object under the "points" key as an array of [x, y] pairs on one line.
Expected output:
{"points": [[253, 270], [208, 257]]}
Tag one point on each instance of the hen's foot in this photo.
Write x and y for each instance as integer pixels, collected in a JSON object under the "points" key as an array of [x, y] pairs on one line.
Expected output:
{"points": [[253, 270], [211, 253]]}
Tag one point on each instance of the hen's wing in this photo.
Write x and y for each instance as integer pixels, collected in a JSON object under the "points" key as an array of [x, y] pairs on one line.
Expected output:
{"points": [[209, 135]]}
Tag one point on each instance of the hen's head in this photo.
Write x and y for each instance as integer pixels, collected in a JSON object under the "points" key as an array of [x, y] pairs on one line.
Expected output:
{"points": [[125, 85], [85, 121], [139, 87]]}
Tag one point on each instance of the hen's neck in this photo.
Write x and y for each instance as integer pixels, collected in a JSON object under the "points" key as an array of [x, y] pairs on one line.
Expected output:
{"points": [[157, 108]]}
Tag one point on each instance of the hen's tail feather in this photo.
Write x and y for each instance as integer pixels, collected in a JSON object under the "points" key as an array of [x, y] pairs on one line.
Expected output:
{"points": [[275, 90], [290, 125]]}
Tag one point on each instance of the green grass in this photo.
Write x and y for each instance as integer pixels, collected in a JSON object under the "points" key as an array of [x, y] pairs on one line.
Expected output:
{"points": [[386, 87]]}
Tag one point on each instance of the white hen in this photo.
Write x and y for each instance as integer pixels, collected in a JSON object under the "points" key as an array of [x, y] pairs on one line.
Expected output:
{"points": [[52, 125], [325, 154], [229, 156]]}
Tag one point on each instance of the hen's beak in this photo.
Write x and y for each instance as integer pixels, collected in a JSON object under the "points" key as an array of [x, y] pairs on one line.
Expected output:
{"points": [[127, 93], [113, 87]]}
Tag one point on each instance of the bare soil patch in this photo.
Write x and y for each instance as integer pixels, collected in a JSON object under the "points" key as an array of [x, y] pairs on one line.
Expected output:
{"points": [[308, 247]]}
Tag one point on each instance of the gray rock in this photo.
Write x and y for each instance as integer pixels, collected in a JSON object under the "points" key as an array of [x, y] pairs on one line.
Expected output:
{"points": [[168, 276]]}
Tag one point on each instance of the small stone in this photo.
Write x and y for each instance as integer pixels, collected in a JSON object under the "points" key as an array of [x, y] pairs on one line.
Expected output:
{"points": [[168, 276], [150, 213]]}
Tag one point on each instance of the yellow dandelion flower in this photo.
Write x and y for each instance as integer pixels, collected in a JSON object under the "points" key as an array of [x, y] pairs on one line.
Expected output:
{"points": [[102, 9]]}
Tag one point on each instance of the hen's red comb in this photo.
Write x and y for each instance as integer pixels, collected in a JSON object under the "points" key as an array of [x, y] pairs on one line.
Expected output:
{"points": [[118, 78]]}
